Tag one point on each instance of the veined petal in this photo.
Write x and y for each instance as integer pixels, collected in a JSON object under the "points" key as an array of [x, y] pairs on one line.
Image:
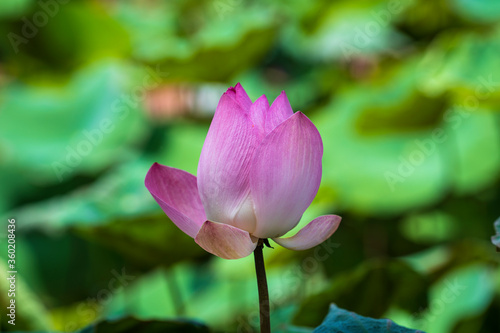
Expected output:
{"points": [[258, 113], [225, 241], [285, 175], [279, 111], [225, 161], [314, 233], [177, 194]]}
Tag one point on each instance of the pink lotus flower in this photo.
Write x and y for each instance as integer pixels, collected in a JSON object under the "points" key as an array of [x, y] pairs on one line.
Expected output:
{"points": [[259, 169]]}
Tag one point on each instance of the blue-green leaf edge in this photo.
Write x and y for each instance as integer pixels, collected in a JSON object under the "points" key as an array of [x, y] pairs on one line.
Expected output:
{"points": [[342, 321]]}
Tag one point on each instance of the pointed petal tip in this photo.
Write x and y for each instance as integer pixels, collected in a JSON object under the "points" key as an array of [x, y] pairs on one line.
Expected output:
{"points": [[258, 112], [149, 174], [231, 141], [225, 241], [261, 99], [313, 234], [279, 111], [239, 95], [233, 90], [302, 117]]}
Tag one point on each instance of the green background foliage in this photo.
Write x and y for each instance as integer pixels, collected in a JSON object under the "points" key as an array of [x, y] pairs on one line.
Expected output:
{"points": [[406, 96]]}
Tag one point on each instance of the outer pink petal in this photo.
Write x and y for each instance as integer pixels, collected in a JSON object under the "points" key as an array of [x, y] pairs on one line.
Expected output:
{"points": [[315, 233], [225, 241], [285, 175], [279, 111], [225, 161], [177, 194]]}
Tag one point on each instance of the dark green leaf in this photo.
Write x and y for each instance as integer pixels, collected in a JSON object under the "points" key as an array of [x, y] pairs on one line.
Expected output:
{"points": [[132, 325], [369, 290]]}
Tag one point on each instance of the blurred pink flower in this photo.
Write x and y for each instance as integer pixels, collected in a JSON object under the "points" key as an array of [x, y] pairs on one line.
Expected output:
{"points": [[259, 169]]}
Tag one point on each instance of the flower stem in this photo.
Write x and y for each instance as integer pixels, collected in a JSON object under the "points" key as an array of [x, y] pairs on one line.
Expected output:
{"points": [[260, 269]]}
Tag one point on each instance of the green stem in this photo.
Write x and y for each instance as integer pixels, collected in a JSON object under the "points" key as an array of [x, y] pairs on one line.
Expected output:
{"points": [[260, 269]]}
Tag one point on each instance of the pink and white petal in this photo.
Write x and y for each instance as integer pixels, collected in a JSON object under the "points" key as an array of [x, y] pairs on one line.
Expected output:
{"points": [[225, 241], [225, 159], [240, 96], [279, 111], [258, 113], [177, 194], [314, 233], [285, 175]]}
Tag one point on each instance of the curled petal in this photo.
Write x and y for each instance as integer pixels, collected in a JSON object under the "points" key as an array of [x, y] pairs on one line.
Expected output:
{"points": [[315, 233], [177, 194], [225, 241], [279, 111], [285, 175], [224, 165]]}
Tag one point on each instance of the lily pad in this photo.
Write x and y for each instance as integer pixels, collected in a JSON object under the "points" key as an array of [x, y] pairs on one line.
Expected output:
{"points": [[342, 321]]}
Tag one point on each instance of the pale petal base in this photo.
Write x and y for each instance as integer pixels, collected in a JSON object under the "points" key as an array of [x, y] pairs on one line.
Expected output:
{"points": [[225, 241]]}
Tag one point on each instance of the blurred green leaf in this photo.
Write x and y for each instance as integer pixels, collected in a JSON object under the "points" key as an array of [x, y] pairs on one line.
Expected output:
{"points": [[120, 193], [463, 293], [133, 325], [483, 11], [92, 126], [200, 45], [14, 8], [344, 30], [66, 44], [432, 227], [378, 167], [377, 286], [30, 313]]}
